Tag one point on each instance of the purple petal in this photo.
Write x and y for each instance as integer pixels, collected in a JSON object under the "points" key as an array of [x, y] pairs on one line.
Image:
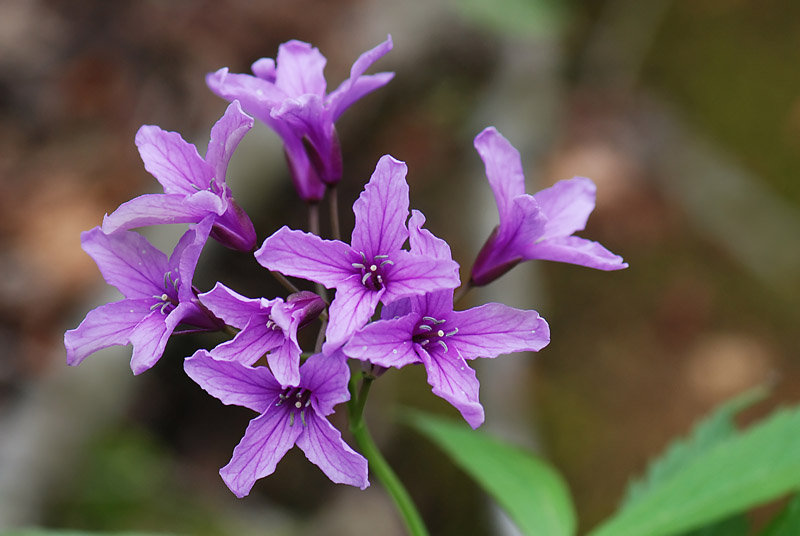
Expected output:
{"points": [[326, 376], [183, 260], [567, 205], [235, 309], [415, 274], [256, 96], [305, 178], [225, 137], [157, 209], [174, 162], [493, 329], [503, 168], [423, 242], [127, 261], [266, 440], [357, 85], [324, 447], [108, 325], [250, 344], [453, 380], [306, 255], [264, 68], [150, 336], [349, 311], [575, 250], [300, 69], [386, 342], [382, 210], [233, 383], [284, 361]]}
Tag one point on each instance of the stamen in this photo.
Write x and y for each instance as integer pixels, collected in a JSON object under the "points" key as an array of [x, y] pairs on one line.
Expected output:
{"points": [[425, 327], [387, 261], [358, 265], [440, 333], [298, 404], [423, 343], [365, 277], [452, 332], [308, 402], [372, 268], [431, 319], [166, 276], [155, 305], [380, 279], [162, 308], [303, 418], [363, 257], [291, 419], [381, 256], [440, 341]]}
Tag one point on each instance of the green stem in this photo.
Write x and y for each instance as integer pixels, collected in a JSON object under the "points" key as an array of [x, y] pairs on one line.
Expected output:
{"points": [[380, 467]]}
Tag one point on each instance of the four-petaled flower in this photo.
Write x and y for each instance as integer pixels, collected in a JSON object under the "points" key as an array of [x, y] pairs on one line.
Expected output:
{"points": [[290, 97], [288, 416], [266, 326], [193, 187], [158, 295], [373, 268], [426, 329], [536, 226]]}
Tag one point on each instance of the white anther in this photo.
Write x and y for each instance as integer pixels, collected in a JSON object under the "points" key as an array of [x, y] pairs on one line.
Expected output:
{"points": [[380, 279], [440, 333], [164, 297], [372, 268], [423, 343], [298, 404]]}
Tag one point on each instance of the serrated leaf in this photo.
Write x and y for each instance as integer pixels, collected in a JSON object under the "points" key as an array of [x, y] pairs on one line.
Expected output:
{"points": [[745, 470], [713, 429], [787, 522], [532, 493]]}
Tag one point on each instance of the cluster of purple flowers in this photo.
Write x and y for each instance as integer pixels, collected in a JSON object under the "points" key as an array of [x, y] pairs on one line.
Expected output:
{"points": [[263, 366]]}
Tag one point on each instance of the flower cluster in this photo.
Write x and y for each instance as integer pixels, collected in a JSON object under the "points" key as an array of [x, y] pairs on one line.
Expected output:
{"points": [[393, 282]]}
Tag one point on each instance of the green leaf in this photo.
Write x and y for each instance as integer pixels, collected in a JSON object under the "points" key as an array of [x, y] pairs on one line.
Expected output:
{"points": [[710, 431], [787, 523], [734, 474], [733, 526], [57, 532], [532, 493]]}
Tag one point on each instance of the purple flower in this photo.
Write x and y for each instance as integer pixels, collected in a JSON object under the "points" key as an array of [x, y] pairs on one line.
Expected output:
{"points": [[266, 326], [193, 187], [426, 329], [288, 416], [290, 97], [158, 295], [374, 267], [538, 226]]}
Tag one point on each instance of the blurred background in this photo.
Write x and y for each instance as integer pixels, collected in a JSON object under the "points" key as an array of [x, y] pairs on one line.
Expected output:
{"points": [[685, 113]]}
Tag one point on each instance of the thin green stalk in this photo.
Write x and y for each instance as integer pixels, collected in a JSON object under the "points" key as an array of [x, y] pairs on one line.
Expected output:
{"points": [[380, 467]]}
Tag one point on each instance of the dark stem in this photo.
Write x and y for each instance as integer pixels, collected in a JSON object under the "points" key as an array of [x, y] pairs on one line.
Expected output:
{"points": [[285, 282], [462, 291]]}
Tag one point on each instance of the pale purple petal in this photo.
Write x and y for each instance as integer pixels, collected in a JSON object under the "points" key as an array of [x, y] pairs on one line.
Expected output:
{"points": [[349, 311], [108, 325], [284, 361], [306, 255], [250, 344], [157, 209], [266, 440], [324, 447], [341, 99], [150, 336], [452, 379], [567, 205], [503, 168], [575, 250], [386, 342], [174, 162], [233, 383], [225, 137], [183, 260], [127, 261], [493, 329], [305, 178], [300, 69], [415, 274], [382, 210], [231, 306], [256, 96], [264, 68], [326, 376], [423, 242]]}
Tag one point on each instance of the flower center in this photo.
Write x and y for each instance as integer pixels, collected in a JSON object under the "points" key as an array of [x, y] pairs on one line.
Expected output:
{"points": [[271, 324], [167, 300], [297, 400], [373, 272], [432, 331]]}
